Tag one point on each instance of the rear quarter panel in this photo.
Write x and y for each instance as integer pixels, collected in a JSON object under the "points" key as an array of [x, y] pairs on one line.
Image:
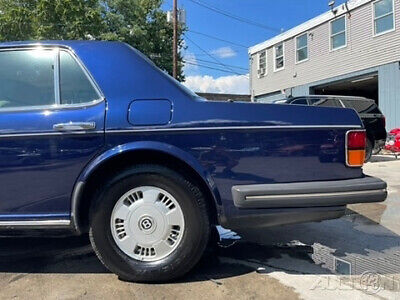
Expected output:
{"points": [[240, 157], [234, 143]]}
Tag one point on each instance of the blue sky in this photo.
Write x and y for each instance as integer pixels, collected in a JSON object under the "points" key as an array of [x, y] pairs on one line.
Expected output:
{"points": [[274, 15]]}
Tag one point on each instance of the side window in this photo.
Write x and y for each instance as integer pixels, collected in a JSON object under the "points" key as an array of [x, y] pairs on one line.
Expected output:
{"points": [[326, 102], [26, 78], [302, 101], [75, 86]]}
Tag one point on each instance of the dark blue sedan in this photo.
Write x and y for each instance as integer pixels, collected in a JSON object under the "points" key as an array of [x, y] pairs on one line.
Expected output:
{"points": [[95, 138]]}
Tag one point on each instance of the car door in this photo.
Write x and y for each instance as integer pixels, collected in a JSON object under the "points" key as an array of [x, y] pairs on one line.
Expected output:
{"points": [[51, 125]]}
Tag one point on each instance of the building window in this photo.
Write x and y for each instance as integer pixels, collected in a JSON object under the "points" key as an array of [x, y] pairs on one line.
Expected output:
{"points": [[302, 48], [338, 33], [279, 57], [383, 16], [262, 63]]}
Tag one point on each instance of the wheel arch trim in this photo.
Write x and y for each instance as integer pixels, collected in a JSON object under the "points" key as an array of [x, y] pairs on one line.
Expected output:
{"points": [[132, 147]]}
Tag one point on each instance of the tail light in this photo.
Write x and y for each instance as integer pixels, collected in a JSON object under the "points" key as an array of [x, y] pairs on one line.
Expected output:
{"points": [[355, 148]]}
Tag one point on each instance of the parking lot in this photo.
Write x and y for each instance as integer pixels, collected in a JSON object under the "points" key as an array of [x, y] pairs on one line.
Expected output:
{"points": [[310, 261]]}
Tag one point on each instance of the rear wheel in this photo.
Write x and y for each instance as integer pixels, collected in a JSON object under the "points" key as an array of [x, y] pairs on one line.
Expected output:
{"points": [[149, 224]]}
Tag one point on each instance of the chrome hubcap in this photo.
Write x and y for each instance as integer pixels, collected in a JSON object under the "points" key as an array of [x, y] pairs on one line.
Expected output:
{"points": [[147, 223]]}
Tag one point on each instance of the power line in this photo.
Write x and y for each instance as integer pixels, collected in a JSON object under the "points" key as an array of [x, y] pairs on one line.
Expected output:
{"points": [[212, 68], [237, 18], [212, 57], [211, 62], [218, 39]]}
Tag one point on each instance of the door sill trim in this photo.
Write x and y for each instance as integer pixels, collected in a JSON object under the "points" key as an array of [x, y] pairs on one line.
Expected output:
{"points": [[35, 223]]}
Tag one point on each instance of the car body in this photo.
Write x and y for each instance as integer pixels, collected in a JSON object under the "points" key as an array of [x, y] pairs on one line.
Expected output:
{"points": [[372, 118], [393, 141], [94, 137]]}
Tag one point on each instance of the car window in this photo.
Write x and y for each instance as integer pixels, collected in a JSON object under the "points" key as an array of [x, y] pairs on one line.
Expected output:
{"points": [[326, 102], [75, 86], [362, 106], [301, 101], [26, 78]]}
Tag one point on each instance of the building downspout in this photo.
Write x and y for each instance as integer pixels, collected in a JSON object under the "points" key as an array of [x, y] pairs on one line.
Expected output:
{"points": [[251, 79]]}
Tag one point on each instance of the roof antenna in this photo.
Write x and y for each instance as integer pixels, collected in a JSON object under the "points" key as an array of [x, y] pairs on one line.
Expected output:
{"points": [[332, 6]]}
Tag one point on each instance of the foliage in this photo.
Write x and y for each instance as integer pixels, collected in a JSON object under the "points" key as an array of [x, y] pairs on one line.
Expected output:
{"points": [[140, 23]]}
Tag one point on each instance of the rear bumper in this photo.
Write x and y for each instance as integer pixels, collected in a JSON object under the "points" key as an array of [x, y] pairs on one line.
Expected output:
{"points": [[309, 194], [262, 218]]}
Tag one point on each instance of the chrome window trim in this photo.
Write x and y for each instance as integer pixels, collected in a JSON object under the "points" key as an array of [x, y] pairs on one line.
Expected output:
{"points": [[231, 128], [56, 74], [51, 107], [57, 105]]}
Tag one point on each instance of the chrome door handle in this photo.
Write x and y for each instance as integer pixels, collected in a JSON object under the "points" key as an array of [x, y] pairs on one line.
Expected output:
{"points": [[74, 126]]}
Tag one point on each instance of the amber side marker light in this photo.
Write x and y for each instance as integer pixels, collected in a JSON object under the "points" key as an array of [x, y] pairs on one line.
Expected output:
{"points": [[355, 148]]}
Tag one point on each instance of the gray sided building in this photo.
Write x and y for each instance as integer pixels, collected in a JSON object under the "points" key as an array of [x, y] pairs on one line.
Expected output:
{"points": [[353, 49]]}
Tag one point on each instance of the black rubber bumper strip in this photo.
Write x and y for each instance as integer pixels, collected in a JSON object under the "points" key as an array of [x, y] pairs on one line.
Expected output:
{"points": [[310, 194]]}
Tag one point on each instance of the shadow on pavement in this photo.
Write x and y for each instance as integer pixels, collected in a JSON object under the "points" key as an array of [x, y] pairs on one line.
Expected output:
{"points": [[382, 158], [311, 248]]}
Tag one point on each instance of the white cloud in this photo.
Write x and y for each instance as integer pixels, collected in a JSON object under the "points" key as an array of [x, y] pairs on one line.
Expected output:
{"points": [[190, 63], [224, 52], [234, 84]]}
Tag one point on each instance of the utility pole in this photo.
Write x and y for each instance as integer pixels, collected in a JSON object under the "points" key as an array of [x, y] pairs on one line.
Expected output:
{"points": [[175, 40]]}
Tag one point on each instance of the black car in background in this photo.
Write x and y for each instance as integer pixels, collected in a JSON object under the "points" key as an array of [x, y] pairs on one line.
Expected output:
{"points": [[373, 119]]}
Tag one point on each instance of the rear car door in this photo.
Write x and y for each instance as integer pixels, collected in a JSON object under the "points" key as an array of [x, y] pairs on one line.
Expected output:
{"points": [[51, 125]]}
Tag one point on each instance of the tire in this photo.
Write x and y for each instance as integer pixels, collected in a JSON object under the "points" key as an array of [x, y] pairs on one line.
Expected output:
{"points": [[377, 149], [148, 265], [368, 150]]}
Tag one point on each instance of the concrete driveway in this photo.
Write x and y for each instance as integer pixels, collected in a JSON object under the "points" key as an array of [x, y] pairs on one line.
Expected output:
{"points": [[309, 261]]}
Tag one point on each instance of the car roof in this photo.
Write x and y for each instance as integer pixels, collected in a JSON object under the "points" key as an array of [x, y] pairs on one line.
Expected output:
{"points": [[64, 43]]}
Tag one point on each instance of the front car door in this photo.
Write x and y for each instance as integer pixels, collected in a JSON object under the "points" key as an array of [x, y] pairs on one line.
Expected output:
{"points": [[51, 125]]}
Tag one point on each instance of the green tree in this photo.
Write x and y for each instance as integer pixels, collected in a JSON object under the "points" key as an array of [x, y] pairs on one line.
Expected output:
{"points": [[68, 19], [140, 23], [16, 19]]}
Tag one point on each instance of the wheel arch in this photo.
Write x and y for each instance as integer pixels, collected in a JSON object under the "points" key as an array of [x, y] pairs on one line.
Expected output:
{"points": [[119, 158]]}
